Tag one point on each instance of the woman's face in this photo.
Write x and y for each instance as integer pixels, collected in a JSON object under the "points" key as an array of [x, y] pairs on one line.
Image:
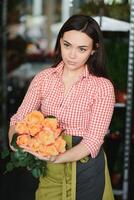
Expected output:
{"points": [[76, 47]]}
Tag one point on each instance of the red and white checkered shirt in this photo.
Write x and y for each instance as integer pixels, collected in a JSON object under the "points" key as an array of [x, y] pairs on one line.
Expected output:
{"points": [[85, 110]]}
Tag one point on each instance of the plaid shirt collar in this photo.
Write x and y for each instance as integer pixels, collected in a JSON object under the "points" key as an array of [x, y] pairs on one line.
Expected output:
{"points": [[59, 69]]}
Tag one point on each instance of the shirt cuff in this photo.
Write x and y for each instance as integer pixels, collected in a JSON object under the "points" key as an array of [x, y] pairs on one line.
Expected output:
{"points": [[92, 146]]}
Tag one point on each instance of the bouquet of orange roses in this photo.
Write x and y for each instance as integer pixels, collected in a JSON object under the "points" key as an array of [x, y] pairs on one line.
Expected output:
{"points": [[40, 135]]}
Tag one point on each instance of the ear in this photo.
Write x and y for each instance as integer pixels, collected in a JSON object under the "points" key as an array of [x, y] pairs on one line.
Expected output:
{"points": [[92, 52]]}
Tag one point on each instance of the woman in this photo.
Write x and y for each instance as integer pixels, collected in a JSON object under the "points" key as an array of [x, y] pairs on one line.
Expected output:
{"points": [[78, 92]]}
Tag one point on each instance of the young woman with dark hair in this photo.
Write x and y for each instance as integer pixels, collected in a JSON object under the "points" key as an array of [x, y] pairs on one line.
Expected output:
{"points": [[96, 63], [77, 90]]}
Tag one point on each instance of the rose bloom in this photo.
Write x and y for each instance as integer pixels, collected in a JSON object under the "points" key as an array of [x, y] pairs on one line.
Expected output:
{"points": [[46, 137], [21, 127], [51, 150], [34, 128], [23, 140], [42, 151], [60, 144], [35, 117], [57, 132], [51, 122], [34, 144]]}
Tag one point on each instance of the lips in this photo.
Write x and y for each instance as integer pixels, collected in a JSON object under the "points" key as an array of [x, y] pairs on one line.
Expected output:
{"points": [[71, 62]]}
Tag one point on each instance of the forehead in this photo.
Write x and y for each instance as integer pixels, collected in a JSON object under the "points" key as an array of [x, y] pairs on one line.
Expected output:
{"points": [[77, 37]]}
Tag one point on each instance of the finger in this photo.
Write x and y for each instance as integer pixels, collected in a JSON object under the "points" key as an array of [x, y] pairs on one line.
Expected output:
{"points": [[52, 158]]}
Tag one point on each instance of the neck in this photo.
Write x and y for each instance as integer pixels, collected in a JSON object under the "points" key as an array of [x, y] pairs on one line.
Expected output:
{"points": [[72, 73]]}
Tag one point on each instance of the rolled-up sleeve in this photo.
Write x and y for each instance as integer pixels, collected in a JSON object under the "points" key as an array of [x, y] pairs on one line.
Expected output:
{"points": [[100, 118], [31, 100]]}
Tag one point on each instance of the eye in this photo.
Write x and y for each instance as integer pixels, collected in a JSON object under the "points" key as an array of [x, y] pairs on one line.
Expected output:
{"points": [[82, 49], [66, 45]]}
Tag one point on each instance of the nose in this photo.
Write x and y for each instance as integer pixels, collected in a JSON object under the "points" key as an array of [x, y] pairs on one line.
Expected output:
{"points": [[72, 53]]}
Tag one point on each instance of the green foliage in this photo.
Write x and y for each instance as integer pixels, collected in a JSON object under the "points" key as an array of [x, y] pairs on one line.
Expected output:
{"points": [[5, 153], [13, 142], [19, 158], [118, 121], [115, 10], [117, 59], [90, 9], [119, 11]]}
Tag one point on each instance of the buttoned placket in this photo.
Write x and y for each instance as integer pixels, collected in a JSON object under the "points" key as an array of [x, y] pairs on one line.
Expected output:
{"points": [[69, 92]]}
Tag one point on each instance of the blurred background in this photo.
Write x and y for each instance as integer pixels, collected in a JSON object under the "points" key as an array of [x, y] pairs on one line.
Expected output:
{"points": [[28, 31]]}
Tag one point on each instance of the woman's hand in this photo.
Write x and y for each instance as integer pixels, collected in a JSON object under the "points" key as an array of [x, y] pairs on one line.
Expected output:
{"points": [[75, 153]]}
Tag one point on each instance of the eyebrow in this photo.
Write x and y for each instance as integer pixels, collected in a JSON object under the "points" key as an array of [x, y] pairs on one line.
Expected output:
{"points": [[71, 44]]}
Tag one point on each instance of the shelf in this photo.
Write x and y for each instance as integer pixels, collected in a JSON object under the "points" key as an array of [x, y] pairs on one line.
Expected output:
{"points": [[120, 105], [118, 192]]}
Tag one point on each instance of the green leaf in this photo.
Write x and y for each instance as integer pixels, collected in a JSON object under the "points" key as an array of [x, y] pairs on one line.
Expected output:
{"points": [[5, 153], [62, 131], [23, 163], [19, 155], [13, 142], [16, 164], [9, 166], [19, 158], [36, 172], [50, 116]]}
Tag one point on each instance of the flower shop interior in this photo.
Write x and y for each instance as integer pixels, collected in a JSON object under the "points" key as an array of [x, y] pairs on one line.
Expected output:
{"points": [[28, 33]]}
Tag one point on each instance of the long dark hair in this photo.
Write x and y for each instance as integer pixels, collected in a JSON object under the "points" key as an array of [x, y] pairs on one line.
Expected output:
{"points": [[86, 24]]}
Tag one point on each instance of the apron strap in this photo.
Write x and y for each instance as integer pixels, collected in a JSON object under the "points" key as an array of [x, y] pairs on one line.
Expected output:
{"points": [[108, 193]]}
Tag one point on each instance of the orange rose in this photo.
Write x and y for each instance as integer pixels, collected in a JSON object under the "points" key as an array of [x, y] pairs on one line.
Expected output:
{"points": [[46, 137], [23, 140], [57, 132], [34, 129], [42, 151], [51, 122], [21, 127], [60, 144], [34, 144], [34, 117], [41, 134], [51, 150]]}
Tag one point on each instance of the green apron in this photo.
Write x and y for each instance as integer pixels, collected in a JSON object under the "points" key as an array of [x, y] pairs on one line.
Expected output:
{"points": [[60, 181], [108, 193]]}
